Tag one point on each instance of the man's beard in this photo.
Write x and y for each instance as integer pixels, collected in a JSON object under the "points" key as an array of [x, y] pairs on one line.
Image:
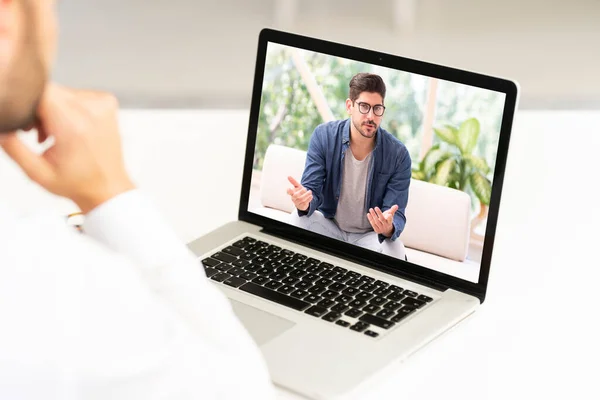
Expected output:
{"points": [[362, 132], [24, 82]]}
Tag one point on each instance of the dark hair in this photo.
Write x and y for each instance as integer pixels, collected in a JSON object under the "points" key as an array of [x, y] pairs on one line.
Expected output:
{"points": [[365, 82]]}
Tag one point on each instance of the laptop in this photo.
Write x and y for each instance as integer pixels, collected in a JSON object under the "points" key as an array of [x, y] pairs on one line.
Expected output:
{"points": [[330, 308]]}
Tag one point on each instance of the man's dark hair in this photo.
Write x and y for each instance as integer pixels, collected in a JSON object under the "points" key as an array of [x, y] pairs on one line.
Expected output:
{"points": [[365, 82]]}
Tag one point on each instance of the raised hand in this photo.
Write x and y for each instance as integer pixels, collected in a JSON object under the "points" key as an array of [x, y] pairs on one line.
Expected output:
{"points": [[85, 163], [382, 222], [300, 196]]}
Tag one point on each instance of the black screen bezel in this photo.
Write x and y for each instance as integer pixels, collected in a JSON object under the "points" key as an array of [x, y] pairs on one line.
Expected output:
{"points": [[393, 266]]}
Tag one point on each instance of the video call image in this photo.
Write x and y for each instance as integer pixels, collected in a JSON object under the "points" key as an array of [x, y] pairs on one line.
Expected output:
{"points": [[395, 162]]}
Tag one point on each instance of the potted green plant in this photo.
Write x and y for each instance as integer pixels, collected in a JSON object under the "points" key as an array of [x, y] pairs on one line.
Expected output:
{"points": [[452, 163]]}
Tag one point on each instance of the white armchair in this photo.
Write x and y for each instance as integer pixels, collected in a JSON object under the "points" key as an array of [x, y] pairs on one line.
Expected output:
{"points": [[437, 217]]}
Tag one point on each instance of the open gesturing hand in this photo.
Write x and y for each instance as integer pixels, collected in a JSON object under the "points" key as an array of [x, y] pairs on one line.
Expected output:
{"points": [[382, 222]]}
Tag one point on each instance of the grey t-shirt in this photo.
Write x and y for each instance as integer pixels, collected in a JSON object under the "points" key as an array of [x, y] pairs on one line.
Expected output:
{"points": [[351, 215]]}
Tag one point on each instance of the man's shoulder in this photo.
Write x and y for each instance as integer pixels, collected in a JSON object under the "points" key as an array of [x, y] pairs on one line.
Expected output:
{"points": [[391, 141], [331, 128]]}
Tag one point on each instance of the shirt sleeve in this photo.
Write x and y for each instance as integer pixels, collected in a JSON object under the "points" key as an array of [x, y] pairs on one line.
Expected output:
{"points": [[132, 226]]}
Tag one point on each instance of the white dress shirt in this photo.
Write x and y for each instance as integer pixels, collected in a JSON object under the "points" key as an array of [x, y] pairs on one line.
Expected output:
{"points": [[123, 311]]}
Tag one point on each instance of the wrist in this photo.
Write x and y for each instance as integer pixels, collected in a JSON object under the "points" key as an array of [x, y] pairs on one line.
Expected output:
{"points": [[89, 201]]}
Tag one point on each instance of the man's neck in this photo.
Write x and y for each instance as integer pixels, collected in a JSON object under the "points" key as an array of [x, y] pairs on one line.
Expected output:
{"points": [[360, 145]]}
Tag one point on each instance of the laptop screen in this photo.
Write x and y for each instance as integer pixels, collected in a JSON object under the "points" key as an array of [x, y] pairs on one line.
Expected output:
{"points": [[392, 161]]}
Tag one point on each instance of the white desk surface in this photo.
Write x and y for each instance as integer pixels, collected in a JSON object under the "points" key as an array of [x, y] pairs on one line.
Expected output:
{"points": [[537, 334]]}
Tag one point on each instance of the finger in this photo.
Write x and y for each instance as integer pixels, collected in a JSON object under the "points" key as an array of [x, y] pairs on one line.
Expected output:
{"points": [[36, 168], [306, 197], [393, 209], [290, 192], [376, 219], [373, 224], [298, 193], [380, 214], [294, 182]]}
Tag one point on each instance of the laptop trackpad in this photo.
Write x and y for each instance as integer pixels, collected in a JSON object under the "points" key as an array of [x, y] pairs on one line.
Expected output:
{"points": [[261, 325]]}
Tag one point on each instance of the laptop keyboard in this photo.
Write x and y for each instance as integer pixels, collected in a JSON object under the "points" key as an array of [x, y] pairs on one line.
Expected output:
{"points": [[320, 289]]}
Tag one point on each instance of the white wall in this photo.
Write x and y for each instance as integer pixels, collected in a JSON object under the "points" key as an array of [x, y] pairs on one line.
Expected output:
{"points": [[196, 53]]}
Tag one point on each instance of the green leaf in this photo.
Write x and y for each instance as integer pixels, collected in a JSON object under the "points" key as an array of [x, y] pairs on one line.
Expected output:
{"points": [[478, 164], [467, 135], [419, 175], [433, 157], [443, 172], [448, 134], [481, 186]]}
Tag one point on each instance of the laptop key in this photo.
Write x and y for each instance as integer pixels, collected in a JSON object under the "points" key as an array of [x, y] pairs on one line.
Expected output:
{"points": [[273, 285], [310, 277], [339, 270], [277, 275], [234, 251], [236, 271], [385, 314], [343, 323], [234, 281], [354, 313], [210, 262], [382, 291], [402, 313], [371, 333], [341, 278], [210, 272], [326, 303], [395, 296], [241, 244], [330, 294], [378, 301], [274, 296], [248, 256], [354, 282], [409, 301], [410, 293], [369, 287], [364, 296], [342, 298], [332, 316], [240, 263], [260, 280], [357, 303], [303, 285], [350, 291], [359, 326], [299, 294], [316, 311], [224, 267], [290, 280], [338, 287], [248, 275], [317, 289], [340, 307], [371, 309], [424, 298], [224, 257], [373, 320], [286, 289], [381, 283], [392, 306], [313, 298], [220, 277], [396, 288]]}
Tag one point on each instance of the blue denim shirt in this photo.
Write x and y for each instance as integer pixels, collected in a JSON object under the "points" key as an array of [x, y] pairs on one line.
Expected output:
{"points": [[387, 182]]}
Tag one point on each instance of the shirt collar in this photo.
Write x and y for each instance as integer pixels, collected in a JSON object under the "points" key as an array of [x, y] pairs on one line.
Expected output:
{"points": [[346, 134]]}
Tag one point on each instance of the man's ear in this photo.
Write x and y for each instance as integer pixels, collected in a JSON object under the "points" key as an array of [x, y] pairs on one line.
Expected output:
{"points": [[9, 23], [348, 105]]}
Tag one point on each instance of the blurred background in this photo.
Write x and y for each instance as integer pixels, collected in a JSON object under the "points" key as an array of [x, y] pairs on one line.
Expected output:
{"points": [[201, 54]]}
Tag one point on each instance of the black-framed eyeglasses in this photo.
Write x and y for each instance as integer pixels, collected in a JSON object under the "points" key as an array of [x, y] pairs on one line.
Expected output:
{"points": [[364, 108]]}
